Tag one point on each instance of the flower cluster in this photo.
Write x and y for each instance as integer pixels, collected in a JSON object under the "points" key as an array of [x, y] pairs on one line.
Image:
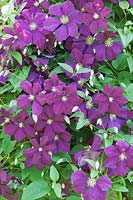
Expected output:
{"points": [[64, 46]]}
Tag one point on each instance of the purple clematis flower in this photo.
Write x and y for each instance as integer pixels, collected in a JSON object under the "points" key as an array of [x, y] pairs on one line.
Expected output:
{"points": [[66, 22], [82, 48], [5, 191], [40, 153], [35, 5], [107, 48], [33, 28], [96, 16], [15, 40], [53, 88], [119, 158], [110, 100], [67, 100], [52, 123], [62, 141], [32, 90], [90, 188], [19, 126]]}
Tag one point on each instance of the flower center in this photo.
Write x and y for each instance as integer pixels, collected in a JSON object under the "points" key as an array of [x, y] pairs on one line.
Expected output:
{"points": [[1, 68], [7, 120], [109, 42], [112, 116], [122, 156], [88, 105], [91, 182], [83, 9], [31, 97], [64, 19], [64, 98], [56, 138], [36, 133], [49, 121], [33, 26], [36, 4], [96, 16], [89, 40], [20, 125], [111, 99], [40, 149], [54, 89], [15, 37], [44, 68]]}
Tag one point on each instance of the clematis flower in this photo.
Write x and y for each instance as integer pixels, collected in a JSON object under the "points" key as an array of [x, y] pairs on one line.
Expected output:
{"points": [[119, 158], [83, 47], [4, 75], [32, 90], [19, 126], [62, 141], [15, 39], [107, 48], [110, 100], [52, 123], [90, 188], [40, 153], [66, 20], [67, 100], [33, 28], [35, 5], [5, 191], [96, 16]]}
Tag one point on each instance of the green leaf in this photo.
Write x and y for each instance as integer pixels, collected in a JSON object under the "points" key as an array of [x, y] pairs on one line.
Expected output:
{"points": [[73, 198], [35, 190], [54, 175], [57, 70], [130, 176], [112, 195], [94, 173], [119, 188], [130, 63], [57, 189], [81, 123], [6, 88], [66, 67], [17, 56], [126, 37], [124, 4], [61, 155], [83, 70], [77, 114], [130, 93], [7, 145], [121, 62], [35, 174]]}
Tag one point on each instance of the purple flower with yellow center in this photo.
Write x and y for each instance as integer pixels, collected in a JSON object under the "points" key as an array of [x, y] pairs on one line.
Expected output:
{"points": [[113, 121], [66, 20], [96, 16], [40, 153], [5, 115], [62, 141], [107, 48], [82, 48], [35, 5], [119, 158], [24, 101], [19, 127], [15, 39], [111, 100], [67, 100], [53, 88], [90, 188], [52, 123], [33, 28]]}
